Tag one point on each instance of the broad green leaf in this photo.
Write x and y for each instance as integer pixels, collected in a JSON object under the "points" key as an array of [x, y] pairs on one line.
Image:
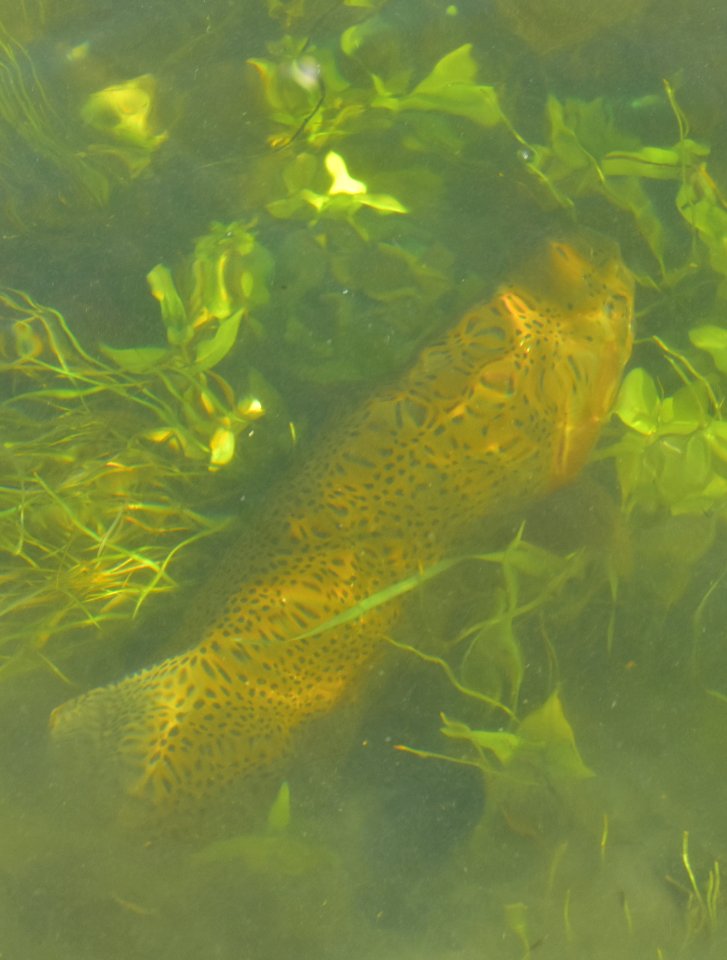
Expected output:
{"points": [[494, 660], [684, 473], [654, 163], [638, 403], [343, 182], [500, 743], [532, 560], [451, 88], [229, 271], [383, 203], [222, 448], [686, 411], [701, 206], [629, 194], [548, 728], [716, 436], [713, 340], [211, 351], [289, 208], [137, 359], [174, 315], [124, 113], [564, 141]]}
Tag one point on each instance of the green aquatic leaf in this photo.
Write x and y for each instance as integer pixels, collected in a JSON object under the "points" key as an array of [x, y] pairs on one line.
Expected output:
{"points": [[345, 196], [137, 359], [451, 88], [564, 141], [638, 403], [501, 744], [209, 352], [279, 815], [716, 436], [229, 270], [124, 112], [542, 747], [686, 480], [686, 411], [701, 204], [174, 313], [343, 182], [653, 163], [493, 659], [548, 731], [656, 163], [713, 340], [628, 194]]}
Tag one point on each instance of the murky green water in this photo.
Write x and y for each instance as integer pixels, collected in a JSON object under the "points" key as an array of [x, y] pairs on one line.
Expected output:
{"points": [[222, 224]]}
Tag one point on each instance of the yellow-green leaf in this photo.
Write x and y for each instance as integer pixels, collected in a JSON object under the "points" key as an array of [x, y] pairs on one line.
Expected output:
{"points": [[211, 351], [137, 359], [713, 340], [638, 402], [174, 314], [500, 743], [450, 88]]}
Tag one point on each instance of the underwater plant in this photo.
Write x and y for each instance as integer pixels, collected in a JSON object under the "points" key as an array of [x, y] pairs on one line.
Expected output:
{"points": [[106, 465], [59, 173]]}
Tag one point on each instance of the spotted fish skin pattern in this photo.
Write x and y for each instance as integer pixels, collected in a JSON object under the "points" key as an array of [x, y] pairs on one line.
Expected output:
{"points": [[505, 407]]}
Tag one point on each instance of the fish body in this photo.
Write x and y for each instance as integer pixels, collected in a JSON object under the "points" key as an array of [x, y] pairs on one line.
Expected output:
{"points": [[505, 407]]}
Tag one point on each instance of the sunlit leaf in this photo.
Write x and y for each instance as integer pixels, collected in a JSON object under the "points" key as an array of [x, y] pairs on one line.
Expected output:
{"points": [[210, 351], [716, 436], [451, 88], [222, 447], [713, 340], [343, 182], [382, 203], [124, 112], [174, 314], [654, 163], [638, 402]]}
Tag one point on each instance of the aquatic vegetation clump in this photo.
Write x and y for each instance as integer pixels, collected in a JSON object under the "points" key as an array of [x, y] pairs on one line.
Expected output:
{"points": [[107, 464], [124, 114], [60, 170]]}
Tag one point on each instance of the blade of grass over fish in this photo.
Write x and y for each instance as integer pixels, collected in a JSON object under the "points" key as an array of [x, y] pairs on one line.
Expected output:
{"points": [[396, 590], [386, 595]]}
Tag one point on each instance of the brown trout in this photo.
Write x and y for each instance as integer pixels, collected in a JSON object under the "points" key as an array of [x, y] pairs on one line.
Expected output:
{"points": [[505, 407]]}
